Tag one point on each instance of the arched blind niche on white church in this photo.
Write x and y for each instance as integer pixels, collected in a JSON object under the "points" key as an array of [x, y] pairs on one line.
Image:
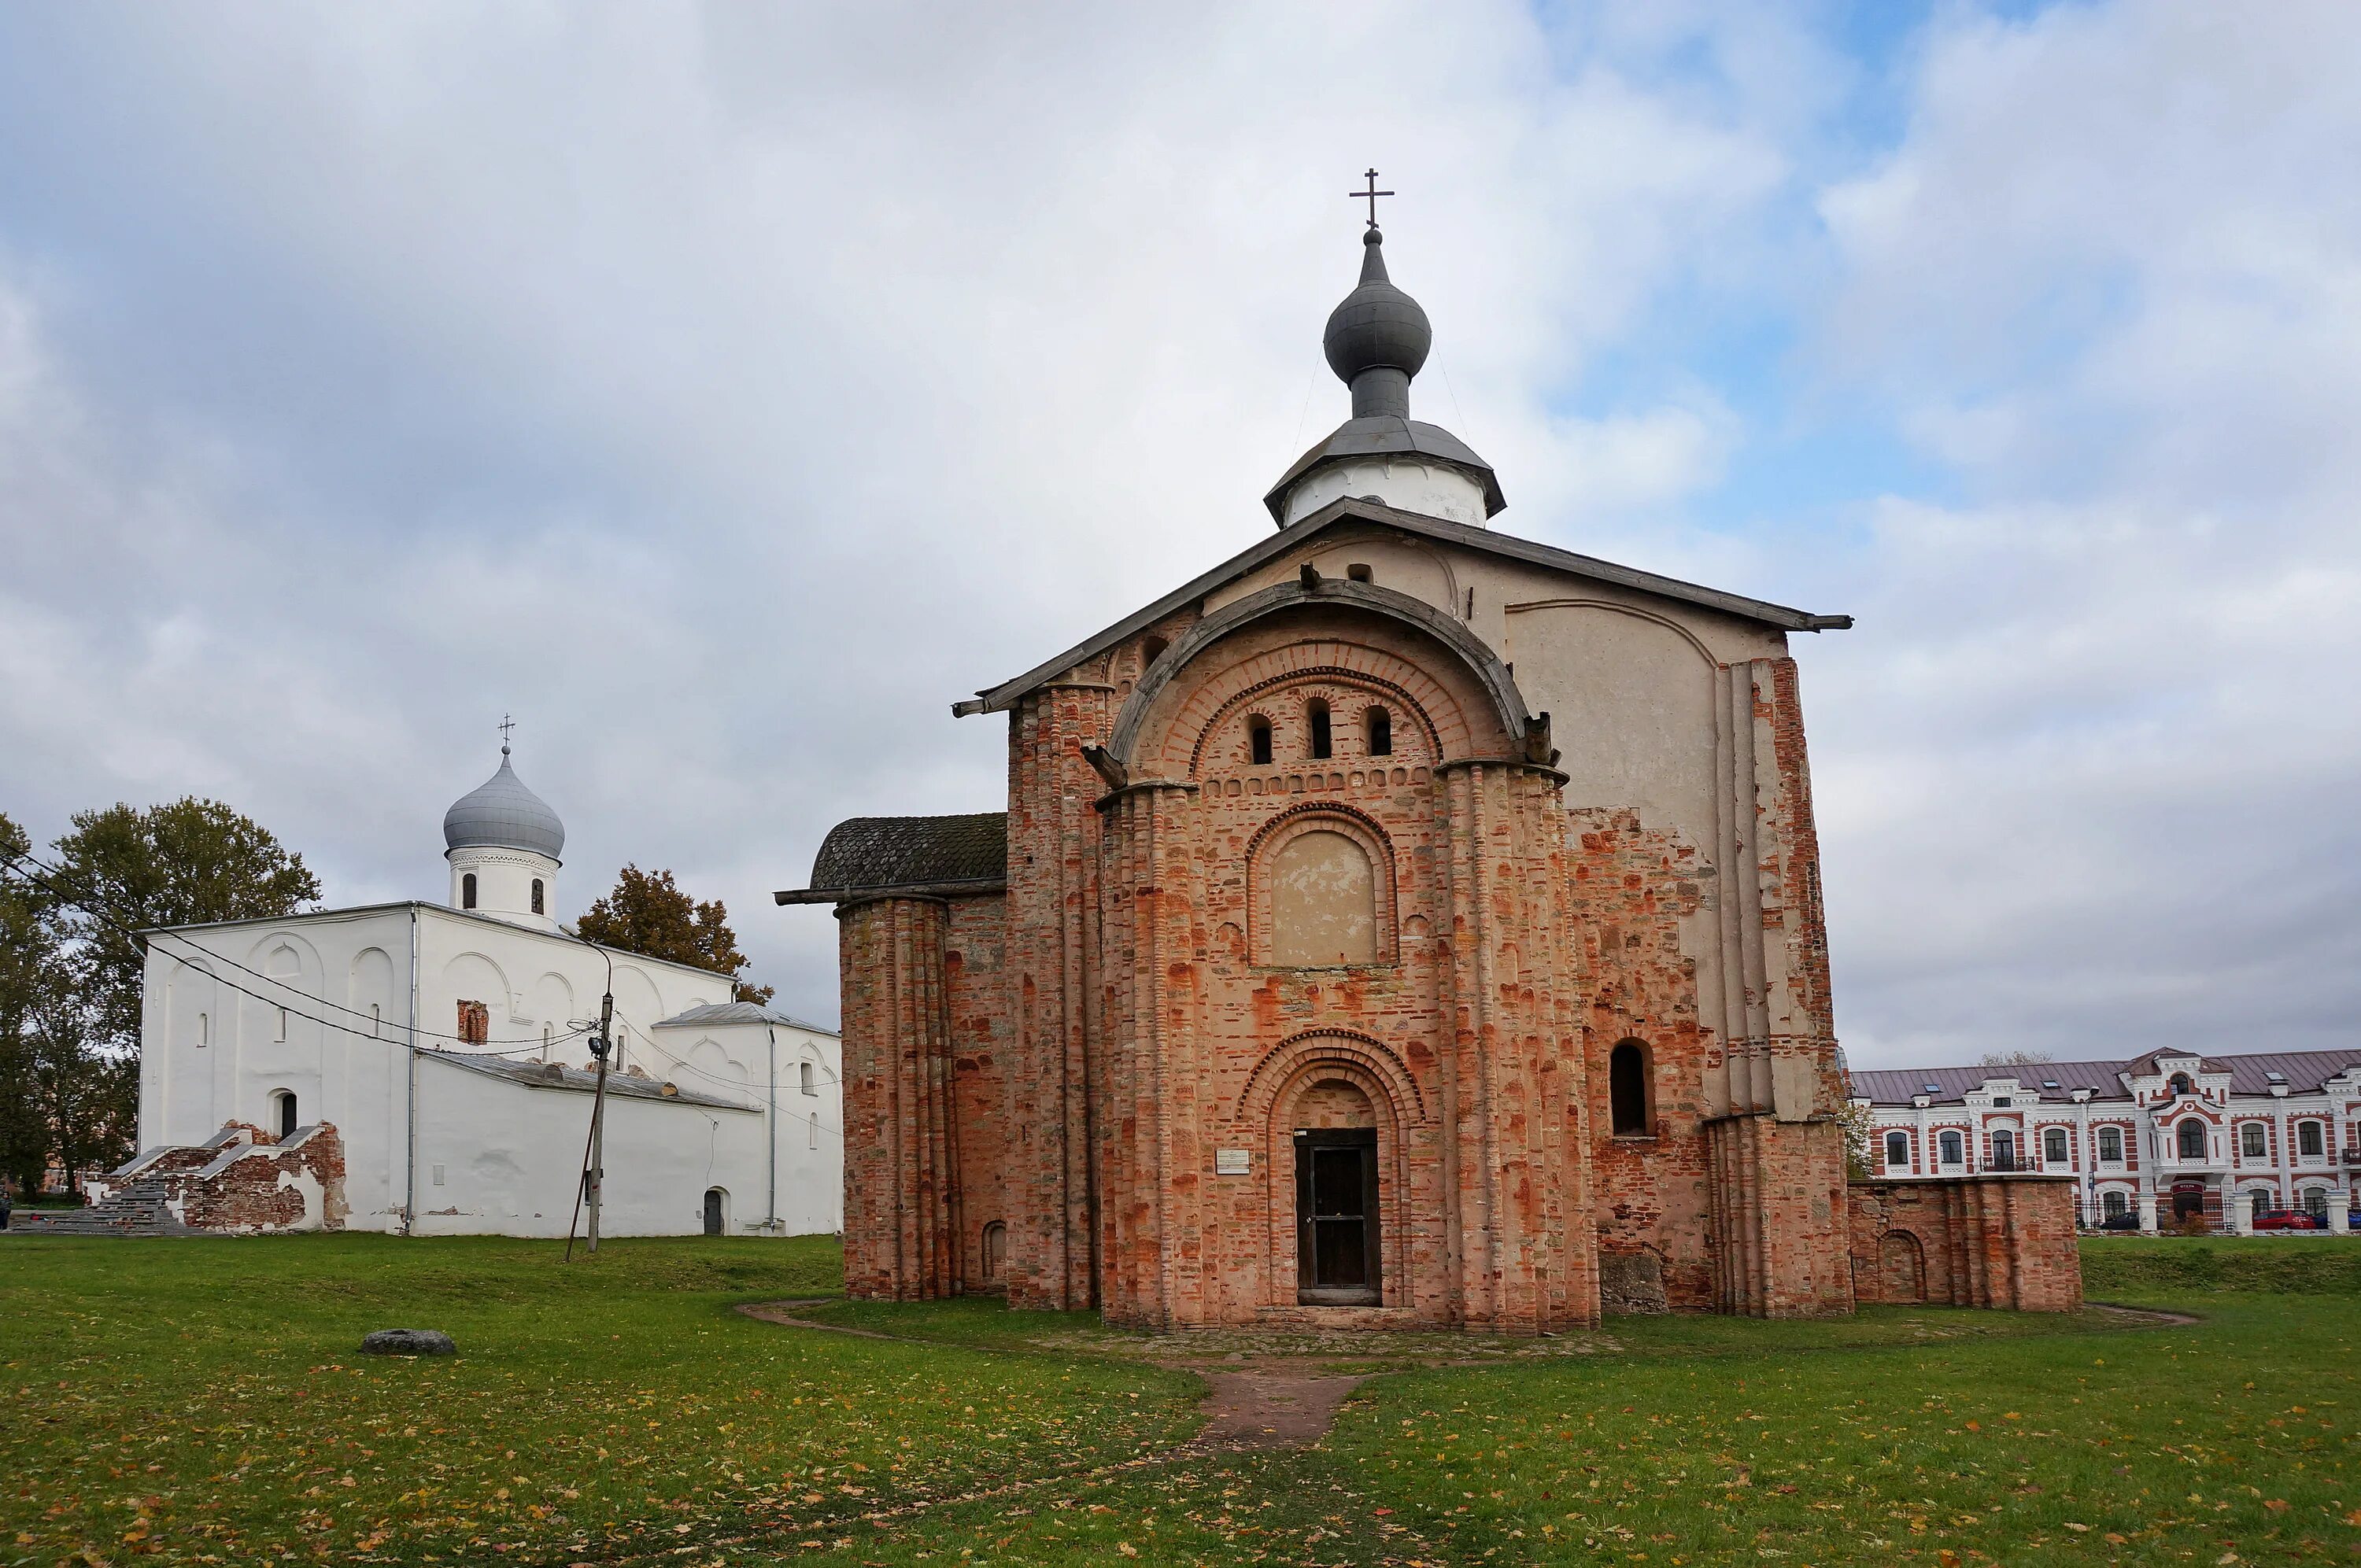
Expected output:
{"points": [[1325, 897]]}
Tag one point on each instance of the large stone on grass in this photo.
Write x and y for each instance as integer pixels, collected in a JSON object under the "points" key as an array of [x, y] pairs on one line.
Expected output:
{"points": [[409, 1342]]}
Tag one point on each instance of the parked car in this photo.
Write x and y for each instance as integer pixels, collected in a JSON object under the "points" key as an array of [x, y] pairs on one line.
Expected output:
{"points": [[2288, 1220], [2127, 1221]]}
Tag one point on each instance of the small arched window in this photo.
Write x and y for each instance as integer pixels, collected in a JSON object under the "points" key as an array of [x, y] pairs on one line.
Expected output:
{"points": [[2261, 1200], [1360, 573], [467, 891], [1948, 1145], [1259, 739], [2191, 1136], [538, 897], [2113, 1205], [810, 1080], [1151, 651], [2053, 1145], [2315, 1203], [2308, 1141], [1316, 715], [1897, 1151], [1379, 725], [205, 1030], [283, 1111], [2111, 1145], [1627, 1088], [2180, 1084]]}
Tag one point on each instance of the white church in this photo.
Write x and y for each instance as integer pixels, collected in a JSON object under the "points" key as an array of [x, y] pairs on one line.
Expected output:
{"points": [[446, 1046]]}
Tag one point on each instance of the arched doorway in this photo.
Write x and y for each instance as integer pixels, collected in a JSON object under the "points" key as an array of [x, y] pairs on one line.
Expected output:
{"points": [[1338, 1233], [2188, 1198], [714, 1198], [1901, 1267]]}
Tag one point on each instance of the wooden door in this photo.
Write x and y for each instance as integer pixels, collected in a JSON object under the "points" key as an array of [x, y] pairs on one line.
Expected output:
{"points": [[1336, 1229]]}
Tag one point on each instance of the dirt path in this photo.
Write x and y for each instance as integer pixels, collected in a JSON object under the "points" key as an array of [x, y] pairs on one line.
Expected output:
{"points": [[1277, 1403]]}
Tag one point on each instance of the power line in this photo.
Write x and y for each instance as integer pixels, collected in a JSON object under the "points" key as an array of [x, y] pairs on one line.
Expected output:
{"points": [[94, 906]]}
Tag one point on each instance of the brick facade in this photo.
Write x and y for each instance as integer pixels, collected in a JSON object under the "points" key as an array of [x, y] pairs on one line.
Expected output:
{"points": [[1976, 1241], [1092, 1085]]}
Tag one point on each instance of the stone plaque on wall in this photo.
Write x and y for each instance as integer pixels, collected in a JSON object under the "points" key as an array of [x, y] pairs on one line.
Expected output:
{"points": [[1233, 1162]]}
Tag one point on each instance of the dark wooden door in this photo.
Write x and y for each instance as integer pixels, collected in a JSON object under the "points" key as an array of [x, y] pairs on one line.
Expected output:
{"points": [[1336, 1232], [713, 1210]]}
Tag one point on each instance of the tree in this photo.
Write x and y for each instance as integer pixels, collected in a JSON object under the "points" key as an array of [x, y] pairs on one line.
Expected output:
{"points": [[1860, 1132], [648, 914], [30, 955], [2014, 1058], [124, 871]]}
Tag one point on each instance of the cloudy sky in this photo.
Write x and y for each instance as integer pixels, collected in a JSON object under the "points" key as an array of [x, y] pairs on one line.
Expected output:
{"points": [[725, 391]]}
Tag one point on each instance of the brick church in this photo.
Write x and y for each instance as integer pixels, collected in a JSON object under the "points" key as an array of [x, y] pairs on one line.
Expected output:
{"points": [[1403, 923]]}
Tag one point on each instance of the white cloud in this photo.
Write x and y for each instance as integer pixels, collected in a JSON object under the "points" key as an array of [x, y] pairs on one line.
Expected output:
{"points": [[2083, 767]]}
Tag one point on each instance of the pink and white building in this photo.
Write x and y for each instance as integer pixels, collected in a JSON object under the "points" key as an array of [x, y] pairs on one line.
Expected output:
{"points": [[2160, 1137]]}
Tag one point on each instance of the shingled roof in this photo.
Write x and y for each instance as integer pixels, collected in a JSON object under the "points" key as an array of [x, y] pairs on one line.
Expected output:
{"points": [[864, 856], [2302, 1071]]}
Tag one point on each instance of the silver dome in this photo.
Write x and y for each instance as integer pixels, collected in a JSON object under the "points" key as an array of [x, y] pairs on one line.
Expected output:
{"points": [[502, 814]]}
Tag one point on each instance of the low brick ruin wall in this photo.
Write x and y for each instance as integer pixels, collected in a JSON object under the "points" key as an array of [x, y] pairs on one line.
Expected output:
{"points": [[243, 1181], [1967, 1241]]}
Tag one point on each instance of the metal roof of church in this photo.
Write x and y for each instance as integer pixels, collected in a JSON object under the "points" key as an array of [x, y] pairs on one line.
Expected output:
{"points": [[991, 699], [711, 1013], [908, 854], [502, 813], [2302, 1071]]}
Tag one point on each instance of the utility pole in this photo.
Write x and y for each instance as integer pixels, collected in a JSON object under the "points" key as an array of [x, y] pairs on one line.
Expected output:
{"points": [[599, 1049], [594, 1153]]}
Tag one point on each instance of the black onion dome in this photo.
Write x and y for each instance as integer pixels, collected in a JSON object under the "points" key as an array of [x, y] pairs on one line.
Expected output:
{"points": [[1377, 327]]}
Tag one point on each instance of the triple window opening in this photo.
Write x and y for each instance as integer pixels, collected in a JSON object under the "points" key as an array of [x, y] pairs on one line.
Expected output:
{"points": [[1320, 742]]}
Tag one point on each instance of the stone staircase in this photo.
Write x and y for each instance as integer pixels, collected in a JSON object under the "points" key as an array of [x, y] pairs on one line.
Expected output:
{"points": [[136, 1209]]}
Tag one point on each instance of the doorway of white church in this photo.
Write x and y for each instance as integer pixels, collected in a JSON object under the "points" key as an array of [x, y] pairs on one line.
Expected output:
{"points": [[1336, 1226], [713, 1197]]}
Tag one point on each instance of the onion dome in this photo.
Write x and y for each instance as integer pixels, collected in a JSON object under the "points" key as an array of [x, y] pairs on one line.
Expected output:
{"points": [[1378, 338], [1380, 329], [502, 814]]}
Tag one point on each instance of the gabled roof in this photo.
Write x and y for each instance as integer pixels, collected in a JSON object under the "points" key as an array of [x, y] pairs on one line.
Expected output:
{"points": [[993, 699], [2302, 1071], [555, 1075], [713, 1014], [866, 855]]}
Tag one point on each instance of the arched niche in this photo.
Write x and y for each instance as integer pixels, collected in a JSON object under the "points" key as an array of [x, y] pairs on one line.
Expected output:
{"points": [[1322, 894], [371, 988]]}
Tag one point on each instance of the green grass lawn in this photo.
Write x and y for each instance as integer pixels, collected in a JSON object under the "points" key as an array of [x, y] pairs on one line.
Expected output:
{"points": [[204, 1400], [188, 1400]]}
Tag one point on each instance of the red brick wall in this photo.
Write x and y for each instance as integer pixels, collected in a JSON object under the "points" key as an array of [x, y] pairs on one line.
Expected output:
{"points": [[902, 1218], [1974, 1241], [982, 1034], [263, 1188]]}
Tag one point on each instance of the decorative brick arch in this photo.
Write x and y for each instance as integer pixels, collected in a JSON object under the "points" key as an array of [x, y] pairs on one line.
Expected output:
{"points": [[1265, 1119], [1255, 701], [1494, 689], [1284, 1064]]}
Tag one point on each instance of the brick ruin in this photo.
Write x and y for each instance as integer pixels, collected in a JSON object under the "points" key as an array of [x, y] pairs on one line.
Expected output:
{"points": [[242, 1181]]}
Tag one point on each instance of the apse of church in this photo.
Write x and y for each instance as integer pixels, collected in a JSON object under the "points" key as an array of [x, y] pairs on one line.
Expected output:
{"points": [[1401, 923]]}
